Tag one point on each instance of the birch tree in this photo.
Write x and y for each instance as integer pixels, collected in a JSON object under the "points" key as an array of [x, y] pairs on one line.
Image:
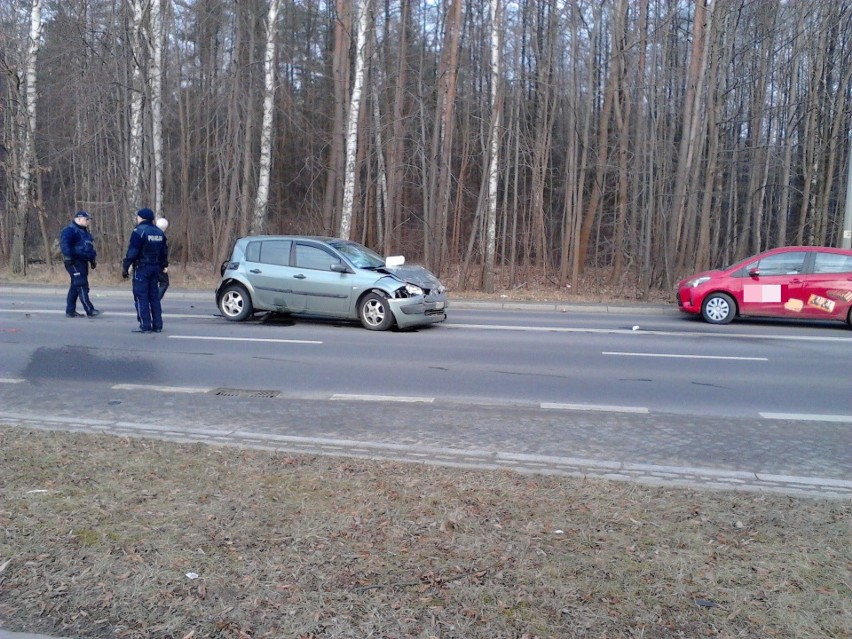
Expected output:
{"points": [[352, 120], [136, 94], [26, 138], [490, 239], [156, 80], [262, 198]]}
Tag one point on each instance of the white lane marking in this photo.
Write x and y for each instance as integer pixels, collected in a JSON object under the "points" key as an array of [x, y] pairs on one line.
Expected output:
{"points": [[541, 329], [382, 398], [805, 417], [593, 407], [161, 389], [630, 331], [11, 380], [748, 359], [245, 339], [47, 311]]}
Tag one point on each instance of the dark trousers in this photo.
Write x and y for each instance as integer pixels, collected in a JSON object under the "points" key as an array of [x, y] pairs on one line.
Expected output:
{"points": [[162, 286], [79, 288], [147, 297]]}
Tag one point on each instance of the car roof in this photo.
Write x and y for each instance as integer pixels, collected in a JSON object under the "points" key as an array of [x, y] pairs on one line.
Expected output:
{"points": [[316, 238], [809, 249]]}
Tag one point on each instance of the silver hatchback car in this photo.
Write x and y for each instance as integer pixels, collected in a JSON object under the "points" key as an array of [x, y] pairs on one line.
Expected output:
{"points": [[327, 277]]}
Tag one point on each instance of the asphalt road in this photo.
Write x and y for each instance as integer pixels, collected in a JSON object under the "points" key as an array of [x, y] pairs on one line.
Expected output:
{"points": [[630, 393]]}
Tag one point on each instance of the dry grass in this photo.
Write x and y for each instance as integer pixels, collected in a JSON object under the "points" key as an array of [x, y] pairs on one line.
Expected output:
{"points": [[595, 285], [108, 537]]}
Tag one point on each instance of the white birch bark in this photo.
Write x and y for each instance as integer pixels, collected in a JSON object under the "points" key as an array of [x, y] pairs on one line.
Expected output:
{"points": [[134, 175], [352, 121], [156, 79], [27, 135], [494, 154], [262, 197]]}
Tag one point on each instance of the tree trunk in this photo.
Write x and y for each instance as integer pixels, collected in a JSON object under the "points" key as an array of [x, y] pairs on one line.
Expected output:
{"points": [[156, 79], [262, 199], [137, 94], [27, 156], [691, 126], [391, 240], [490, 239], [353, 117], [340, 78]]}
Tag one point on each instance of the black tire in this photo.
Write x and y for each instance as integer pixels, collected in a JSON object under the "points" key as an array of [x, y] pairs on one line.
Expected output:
{"points": [[718, 308], [374, 312], [849, 317], [235, 303]]}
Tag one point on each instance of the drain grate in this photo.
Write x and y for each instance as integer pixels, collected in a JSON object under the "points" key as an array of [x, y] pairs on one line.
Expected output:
{"points": [[243, 392]]}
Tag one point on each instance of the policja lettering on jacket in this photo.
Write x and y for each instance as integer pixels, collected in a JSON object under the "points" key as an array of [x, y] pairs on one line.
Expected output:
{"points": [[147, 253]]}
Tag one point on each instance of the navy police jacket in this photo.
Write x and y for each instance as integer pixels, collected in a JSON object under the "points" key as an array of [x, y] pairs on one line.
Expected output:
{"points": [[147, 247], [77, 244]]}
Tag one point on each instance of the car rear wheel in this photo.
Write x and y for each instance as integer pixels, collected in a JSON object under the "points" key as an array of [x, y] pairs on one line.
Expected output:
{"points": [[718, 308], [235, 303], [374, 313], [849, 317]]}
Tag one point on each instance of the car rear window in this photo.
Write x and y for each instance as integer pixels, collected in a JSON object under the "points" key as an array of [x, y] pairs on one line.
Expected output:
{"points": [[832, 263], [274, 252]]}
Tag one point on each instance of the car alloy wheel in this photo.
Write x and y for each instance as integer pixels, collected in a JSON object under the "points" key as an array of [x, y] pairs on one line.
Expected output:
{"points": [[374, 313], [235, 303]]}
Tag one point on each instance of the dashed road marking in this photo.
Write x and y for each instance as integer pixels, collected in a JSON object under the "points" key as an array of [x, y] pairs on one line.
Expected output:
{"points": [[675, 355], [245, 339], [806, 417], [161, 389], [382, 398], [593, 407]]}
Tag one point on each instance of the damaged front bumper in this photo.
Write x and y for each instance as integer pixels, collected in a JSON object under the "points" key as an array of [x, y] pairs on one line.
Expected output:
{"points": [[419, 310]]}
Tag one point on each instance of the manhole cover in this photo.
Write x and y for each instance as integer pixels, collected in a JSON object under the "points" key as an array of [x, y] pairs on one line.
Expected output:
{"points": [[243, 392]]}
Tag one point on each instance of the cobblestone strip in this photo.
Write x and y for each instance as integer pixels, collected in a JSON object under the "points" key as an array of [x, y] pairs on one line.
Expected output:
{"points": [[664, 476]]}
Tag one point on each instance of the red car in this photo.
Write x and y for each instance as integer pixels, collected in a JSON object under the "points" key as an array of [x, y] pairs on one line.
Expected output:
{"points": [[812, 282]]}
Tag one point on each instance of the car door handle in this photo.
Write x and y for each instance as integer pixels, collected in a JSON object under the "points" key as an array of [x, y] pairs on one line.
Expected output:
{"points": [[255, 270], [795, 280], [299, 276]]}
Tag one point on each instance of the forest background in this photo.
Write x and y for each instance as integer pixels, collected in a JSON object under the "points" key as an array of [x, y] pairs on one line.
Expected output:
{"points": [[645, 139]]}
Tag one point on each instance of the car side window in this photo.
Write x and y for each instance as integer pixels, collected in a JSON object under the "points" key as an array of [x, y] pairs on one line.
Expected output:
{"points": [[253, 252], [832, 263], [314, 258], [782, 264], [275, 252]]}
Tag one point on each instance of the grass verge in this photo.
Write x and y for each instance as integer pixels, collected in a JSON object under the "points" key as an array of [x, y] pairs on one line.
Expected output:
{"points": [[102, 536]]}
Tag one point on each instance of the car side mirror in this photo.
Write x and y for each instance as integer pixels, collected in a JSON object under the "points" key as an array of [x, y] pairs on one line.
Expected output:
{"points": [[754, 271], [337, 267]]}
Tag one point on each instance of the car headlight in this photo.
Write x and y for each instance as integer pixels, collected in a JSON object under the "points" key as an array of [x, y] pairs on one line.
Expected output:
{"points": [[413, 289], [697, 281]]}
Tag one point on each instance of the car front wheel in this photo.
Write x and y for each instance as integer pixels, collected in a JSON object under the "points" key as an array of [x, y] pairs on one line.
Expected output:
{"points": [[235, 303], [718, 308], [374, 313]]}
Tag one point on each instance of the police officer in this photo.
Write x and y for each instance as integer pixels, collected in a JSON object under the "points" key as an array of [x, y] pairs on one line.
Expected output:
{"points": [[78, 253], [147, 253]]}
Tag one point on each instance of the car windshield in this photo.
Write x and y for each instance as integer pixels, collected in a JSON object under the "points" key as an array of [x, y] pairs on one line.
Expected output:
{"points": [[738, 263], [360, 256]]}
